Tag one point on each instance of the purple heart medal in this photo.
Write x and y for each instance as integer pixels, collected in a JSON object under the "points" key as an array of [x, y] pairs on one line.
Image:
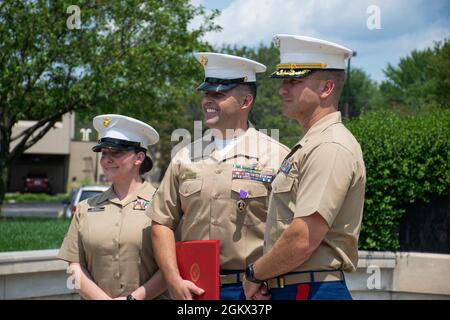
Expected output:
{"points": [[241, 203]]}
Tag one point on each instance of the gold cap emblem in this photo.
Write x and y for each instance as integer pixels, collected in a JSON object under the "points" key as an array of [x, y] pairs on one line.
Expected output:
{"points": [[106, 122], [204, 60], [245, 79]]}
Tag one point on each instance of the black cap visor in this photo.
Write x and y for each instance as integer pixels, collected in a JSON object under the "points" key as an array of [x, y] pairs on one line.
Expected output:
{"points": [[217, 84], [117, 144], [216, 87]]}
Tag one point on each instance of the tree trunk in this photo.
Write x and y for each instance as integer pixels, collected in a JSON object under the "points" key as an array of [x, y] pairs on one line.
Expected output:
{"points": [[5, 139], [3, 185]]}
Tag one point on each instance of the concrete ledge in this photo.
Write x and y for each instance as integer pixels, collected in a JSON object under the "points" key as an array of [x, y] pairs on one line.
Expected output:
{"points": [[36, 274], [379, 275], [374, 258], [18, 262], [424, 273]]}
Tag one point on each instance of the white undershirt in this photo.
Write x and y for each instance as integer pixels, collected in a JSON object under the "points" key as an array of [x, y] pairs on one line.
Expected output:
{"points": [[223, 146]]}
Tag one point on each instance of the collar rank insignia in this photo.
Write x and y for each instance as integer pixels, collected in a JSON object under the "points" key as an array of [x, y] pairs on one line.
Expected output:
{"points": [[140, 204], [286, 165]]}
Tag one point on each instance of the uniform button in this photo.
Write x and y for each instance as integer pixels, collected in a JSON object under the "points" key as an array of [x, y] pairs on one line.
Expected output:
{"points": [[215, 196], [117, 224], [218, 171], [116, 257], [117, 275]]}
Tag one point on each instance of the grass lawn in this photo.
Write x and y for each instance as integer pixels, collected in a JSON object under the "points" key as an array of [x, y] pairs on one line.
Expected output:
{"points": [[17, 234]]}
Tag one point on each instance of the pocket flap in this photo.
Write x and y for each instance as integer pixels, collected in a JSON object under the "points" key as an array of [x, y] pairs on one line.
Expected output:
{"points": [[254, 189], [189, 187], [282, 185]]}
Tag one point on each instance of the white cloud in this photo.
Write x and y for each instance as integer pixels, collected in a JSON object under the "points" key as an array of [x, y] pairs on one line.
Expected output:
{"points": [[375, 56]]}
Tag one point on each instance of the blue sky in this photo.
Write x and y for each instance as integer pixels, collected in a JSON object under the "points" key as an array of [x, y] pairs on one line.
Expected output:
{"points": [[405, 25]]}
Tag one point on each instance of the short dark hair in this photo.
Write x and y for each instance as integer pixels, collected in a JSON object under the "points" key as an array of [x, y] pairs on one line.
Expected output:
{"points": [[338, 77], [249, 88]]}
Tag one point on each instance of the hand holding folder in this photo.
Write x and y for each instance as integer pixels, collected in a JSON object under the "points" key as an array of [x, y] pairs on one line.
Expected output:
{"points": [[199, 261]]}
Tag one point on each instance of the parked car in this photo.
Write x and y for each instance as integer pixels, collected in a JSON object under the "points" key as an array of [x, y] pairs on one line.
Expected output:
{"points": [[80, 194], [37, 182]]}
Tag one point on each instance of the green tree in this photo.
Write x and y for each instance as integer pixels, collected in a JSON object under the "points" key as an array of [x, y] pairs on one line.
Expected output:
{"points": [[439, 70], [420, 80], [130, 57], [363, 94]]}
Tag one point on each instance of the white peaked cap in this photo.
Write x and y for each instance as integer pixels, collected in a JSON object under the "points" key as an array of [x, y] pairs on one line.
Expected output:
{"points": [[227, 67], [121, 127], [301, 52]]}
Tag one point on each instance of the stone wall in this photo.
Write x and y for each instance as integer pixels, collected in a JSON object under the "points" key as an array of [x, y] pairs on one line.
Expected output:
{"points": [[380, 275]]}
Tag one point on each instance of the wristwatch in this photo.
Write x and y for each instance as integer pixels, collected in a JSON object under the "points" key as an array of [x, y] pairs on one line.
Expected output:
{"points": [[130, 297], [250, 274]]}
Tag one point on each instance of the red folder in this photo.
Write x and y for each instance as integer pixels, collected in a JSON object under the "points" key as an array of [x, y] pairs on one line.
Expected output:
{"points": [[199, 262]]}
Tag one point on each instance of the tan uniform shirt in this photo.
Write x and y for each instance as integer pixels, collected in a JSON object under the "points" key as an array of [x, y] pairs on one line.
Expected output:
{"points": [[324, 172], [112, 240], [208, 196]]}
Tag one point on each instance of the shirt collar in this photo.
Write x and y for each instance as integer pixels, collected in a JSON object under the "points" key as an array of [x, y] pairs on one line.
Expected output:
{"points": [[320, 126], [245, 146], [145, 192]]}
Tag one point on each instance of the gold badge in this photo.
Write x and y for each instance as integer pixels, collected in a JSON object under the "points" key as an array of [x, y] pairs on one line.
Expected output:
{"points": [[204, 60], [195, 272], [241, 205], [245, 79], [106, 122]]}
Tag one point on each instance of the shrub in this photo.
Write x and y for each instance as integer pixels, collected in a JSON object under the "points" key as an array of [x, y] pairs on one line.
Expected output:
{"points": [[407, 159]]}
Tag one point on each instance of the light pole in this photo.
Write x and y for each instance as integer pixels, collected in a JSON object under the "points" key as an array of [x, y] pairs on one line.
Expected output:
{"points": [[348, 93]]}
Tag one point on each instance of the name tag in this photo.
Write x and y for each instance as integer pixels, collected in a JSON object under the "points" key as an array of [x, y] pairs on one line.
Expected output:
{"points": [[188, 175], [96, 209]]}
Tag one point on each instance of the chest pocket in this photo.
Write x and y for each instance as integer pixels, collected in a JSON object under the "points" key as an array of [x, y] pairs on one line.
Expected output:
{"points": [[189, 187], [190, 198], [253, 207], [284, 191]]}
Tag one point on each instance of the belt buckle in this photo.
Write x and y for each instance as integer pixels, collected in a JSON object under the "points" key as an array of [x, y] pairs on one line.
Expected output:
{"points": [[281, 282]]}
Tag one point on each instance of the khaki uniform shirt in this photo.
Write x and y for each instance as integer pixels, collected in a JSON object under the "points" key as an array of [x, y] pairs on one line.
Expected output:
{"points": [[324, 172], [112, 240], [208, 196]]}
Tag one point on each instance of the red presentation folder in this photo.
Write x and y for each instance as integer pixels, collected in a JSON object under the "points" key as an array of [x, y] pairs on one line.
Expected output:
{"points": [[199, 262]]}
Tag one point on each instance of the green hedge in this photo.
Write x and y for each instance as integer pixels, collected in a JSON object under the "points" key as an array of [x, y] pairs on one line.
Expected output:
{"points": [[35, 197], [407, 159]]}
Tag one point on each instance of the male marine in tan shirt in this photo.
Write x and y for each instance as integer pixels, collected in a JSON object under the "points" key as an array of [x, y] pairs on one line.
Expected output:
{"points": [[316, 205]]}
